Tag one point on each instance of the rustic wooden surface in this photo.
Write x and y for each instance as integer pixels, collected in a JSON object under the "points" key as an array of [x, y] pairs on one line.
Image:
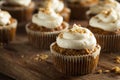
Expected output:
{"points": [[17, 60]]}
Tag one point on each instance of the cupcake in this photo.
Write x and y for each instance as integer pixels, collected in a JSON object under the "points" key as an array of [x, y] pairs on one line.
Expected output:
{"points": [[20, 9], [75, 51], [59, 7], [79, 8], [102, 5], [44, 28], [7, 28], [106, 27]]}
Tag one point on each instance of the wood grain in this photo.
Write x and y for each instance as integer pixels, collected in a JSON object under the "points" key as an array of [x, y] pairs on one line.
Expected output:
{"points": [[17, 60]]}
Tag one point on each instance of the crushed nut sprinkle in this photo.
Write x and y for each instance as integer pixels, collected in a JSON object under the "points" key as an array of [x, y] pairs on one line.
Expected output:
{"points": [[41, 57], [116, 70], [100, 71], [106, 71], [117, 59], [45, 10]]}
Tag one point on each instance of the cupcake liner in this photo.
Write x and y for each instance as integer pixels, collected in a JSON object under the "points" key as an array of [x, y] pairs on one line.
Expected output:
{"points": [[75, 65], [109, 43], [7, 33], [42, 40], [21, 13]]}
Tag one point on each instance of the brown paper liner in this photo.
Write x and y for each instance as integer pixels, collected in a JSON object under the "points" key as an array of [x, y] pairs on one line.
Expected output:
{"points": [[21, 13], [42, 40], [109, 43], [7, 33], [75, 65]]}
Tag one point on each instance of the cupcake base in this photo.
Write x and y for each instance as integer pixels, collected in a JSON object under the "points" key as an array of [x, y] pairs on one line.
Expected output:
{"points": [[42, 40], [8, 33], [109, 43], [75, 65], [21, 13]]}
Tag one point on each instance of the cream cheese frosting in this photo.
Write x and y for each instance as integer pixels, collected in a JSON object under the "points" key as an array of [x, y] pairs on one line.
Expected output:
{"points": [[76, 38], [4, 17], [102, 5], [20, 2], [108, 20], [56, 5], [46, 17]]}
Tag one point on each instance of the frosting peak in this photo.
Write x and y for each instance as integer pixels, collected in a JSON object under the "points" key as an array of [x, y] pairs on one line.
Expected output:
{"points": [[46, 17], [76, 38], [20, 2], [56, 5], [4, 17], [108, 20], [102, 5]]}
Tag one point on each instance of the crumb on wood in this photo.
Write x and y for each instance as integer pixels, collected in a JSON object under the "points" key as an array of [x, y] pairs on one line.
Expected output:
{"points": [[40, 57], [116, 69], [22, 56], [106, 71], [100, 71], [117, 59]]}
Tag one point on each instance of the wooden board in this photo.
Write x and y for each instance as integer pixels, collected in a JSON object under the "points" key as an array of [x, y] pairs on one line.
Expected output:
{"points": [[18, 60]]}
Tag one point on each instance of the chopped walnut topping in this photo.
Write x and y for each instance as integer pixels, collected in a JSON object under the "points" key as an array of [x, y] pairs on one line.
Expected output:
{"points": [[106, 71], [40, 57], [61, 35], [116, 69], [45, 10], [117, 59], [100, 71], [22, 56]]}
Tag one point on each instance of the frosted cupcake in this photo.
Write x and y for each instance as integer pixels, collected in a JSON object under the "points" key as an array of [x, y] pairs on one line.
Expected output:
{"points": [[20, 9], [75, 51], [106, 27], [59, 7], [79, 8], [103, 5], [7, 28], [44, 28]]}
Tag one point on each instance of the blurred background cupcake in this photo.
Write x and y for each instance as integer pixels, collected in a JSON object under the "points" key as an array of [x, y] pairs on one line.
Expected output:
{"points": [[79, 8], [106, 27], [45, 26], [75, 51], [102, 5], [58, 6], [8, 27], [20, 9]]}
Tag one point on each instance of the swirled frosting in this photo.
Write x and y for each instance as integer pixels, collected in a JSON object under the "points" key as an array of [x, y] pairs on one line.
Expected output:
{"points": [[46, 17], [4, 17], [108, 20], [76, 38], [102, 5], [56, 5], [20, 2]]}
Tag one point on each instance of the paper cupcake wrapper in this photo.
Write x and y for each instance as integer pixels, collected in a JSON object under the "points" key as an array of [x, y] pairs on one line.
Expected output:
{"points": [[42, 40], [22, 14], [75, 65], [7, 33], [109, 43]]}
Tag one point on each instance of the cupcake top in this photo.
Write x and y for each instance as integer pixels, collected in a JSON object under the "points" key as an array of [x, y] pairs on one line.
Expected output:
{"points": [[4, 17], [20, 2], [107, 20], [104, 4], [47, 18], [56, 5], [76, 38]]}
